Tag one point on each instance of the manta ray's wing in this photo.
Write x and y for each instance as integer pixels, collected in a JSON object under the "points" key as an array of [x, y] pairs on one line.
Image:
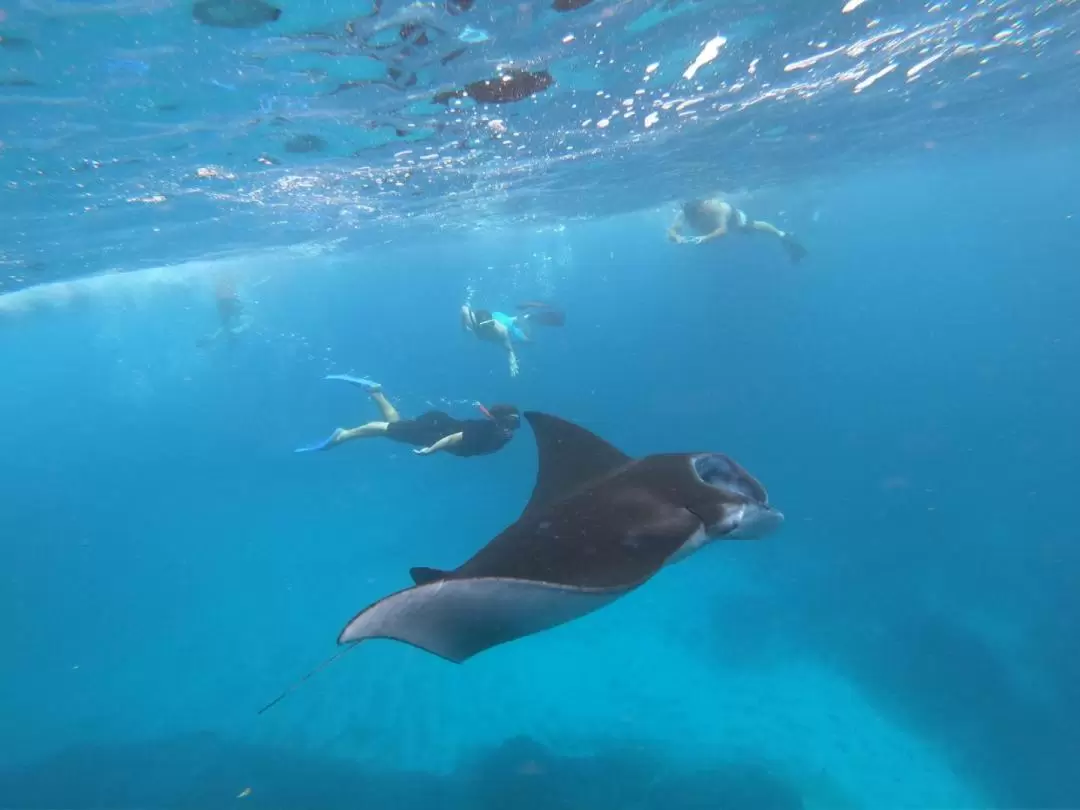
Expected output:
{"points": [[458, 618]]}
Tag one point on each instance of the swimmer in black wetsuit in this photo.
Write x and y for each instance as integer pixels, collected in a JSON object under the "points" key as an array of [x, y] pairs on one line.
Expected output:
{"points": [[431, 431]]}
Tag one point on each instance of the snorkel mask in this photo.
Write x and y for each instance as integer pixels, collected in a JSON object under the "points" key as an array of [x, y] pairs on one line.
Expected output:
{"points": [[507, 416]]}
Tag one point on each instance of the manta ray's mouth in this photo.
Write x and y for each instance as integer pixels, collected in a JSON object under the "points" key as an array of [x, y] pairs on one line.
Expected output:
{"points": [[720, 472], [755, 520], [745, 511], [747, 521]]}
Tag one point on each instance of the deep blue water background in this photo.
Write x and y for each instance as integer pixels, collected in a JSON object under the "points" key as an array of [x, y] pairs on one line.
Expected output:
{"points": [[908, 396]]}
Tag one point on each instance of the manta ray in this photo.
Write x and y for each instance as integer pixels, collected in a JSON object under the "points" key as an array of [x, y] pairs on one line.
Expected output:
{"points": [[599, 524]]}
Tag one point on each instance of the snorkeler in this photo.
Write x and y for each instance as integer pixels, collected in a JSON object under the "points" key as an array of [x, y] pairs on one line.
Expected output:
{"points": [[230, 311], [430, 432], [508, 330], [711, 219]]}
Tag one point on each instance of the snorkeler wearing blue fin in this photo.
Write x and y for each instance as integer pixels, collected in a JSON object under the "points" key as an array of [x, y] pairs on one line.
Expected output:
{"points": [[712, 219], [432, 431], [325, 444], [360, 382], [510, 330]]}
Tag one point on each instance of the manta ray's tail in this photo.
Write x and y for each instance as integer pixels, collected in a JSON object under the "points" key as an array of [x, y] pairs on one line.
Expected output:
{"points": [[301, 681]]}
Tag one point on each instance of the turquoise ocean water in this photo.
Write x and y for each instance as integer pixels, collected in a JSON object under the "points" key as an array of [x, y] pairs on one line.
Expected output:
{"points": [[908, 395]]}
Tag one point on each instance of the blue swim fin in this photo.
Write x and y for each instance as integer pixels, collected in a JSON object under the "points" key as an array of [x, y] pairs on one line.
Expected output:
{"points": [[325, 444], [360, 382]]}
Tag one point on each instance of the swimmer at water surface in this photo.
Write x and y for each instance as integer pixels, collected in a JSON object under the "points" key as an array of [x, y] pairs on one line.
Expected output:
{"points": [[231, 317], [711, 219]]}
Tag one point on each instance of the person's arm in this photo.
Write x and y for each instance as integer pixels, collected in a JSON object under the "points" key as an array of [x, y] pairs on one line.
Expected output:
{"points": [[701, 240], [675, 231], [504, 333], [441, 444], [513, 357], [206, 340], [725, 212]]}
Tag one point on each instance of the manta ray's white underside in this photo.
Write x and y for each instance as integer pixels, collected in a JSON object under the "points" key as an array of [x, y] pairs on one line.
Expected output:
{"points": [[458, 618]]}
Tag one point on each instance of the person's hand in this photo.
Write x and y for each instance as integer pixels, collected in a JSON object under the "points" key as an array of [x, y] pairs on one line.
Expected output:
{"points": [[422, 451], [676, 238], [694, 240]]}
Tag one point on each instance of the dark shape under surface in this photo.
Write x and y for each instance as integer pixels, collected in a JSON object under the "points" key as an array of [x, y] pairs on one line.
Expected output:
{"points": [[299, 144], [507, 87], [234, 13], [569, 5], [10, 42]]}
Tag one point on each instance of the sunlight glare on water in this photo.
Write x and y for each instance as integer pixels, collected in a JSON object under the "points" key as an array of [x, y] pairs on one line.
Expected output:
{"points": [[257, 124]]}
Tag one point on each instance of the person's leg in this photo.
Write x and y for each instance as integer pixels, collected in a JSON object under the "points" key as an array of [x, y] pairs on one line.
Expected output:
{"points": [[388, 411], [795, 251], [346, 434], [766, 227], [521, 328], [363, 432]]}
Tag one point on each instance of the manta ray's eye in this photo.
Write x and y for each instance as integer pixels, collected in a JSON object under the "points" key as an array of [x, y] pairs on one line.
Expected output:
{"points": [[717, 470]]}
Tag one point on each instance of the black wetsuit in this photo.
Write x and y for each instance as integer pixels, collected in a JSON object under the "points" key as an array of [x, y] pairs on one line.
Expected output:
{"points": [[479, 436]]}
